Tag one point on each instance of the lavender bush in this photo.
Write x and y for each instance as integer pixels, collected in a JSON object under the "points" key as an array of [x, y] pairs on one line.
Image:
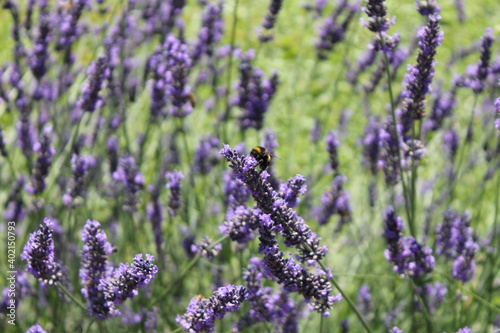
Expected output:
{"points": [[131, 201]]}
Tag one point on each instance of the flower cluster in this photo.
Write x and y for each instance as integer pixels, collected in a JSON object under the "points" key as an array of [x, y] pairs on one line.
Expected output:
{"points": [[254, 93], [333, 29], [91, 98], [270, 20], [266, 305], [419, 78], [288, 224], [174, 185], [128, 174], [335, 201], [42, 165], [210, 33], [81, 166], [455, 241], [205, 248], [40, 256], [202, 313], [409, 257]]}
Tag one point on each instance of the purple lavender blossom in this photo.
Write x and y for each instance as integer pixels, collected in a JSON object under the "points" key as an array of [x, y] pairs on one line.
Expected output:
{"points": [[464, 330], [316, 289], [419, 78], [80, 165], [254, 93], [450, 143], [69, 30], [333, 29], [128, 174], [376, 11], [398, 250], [270, 20], [335, 201], [36, 329], [26, 133], [395, 330], [435, 294], [371, 142], [421, 261], [291, 226], [91, 96], [364, 299], [174, 184], [235, 193], [205, 249], [427, 7], [14, 205], [42, 165], [201, 313], [464, 265], [179, 65], [291, 189], [332, 143], [112, 150], [389, 157], [40, 257], [210, 34], [126, 281], [497, 121], [240, 224], [159, 98], [453, 233], [39, 57], [94, 268], [316, 131], [482, 69], [443, 106], [206, 155], [266, 305], [154, 212]]}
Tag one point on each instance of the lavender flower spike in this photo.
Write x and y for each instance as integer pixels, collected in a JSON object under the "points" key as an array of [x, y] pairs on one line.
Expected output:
{"points": [[95, 267], [44, 161], [36, 329], [397, 251], [291, 226], [202, 312], [174, 184], [40, 256], [80, 166], [128, 174], [376, 11], [91, 98], [127, 280], [270, 19], [418, 80], [211, 30]]}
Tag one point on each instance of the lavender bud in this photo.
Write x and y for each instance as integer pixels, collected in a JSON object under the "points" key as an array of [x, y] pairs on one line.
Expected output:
{"points": [[205, 249], [202, 312], [419, 78], [397, 251], [154, 212], [206, 155], [42, 165], [270, 20], [332, 143], [291, 189], [174, 184], [427, 7], [40, 257], [80, 165], [36, 329], [40, 55], [212, 27], [128, 174], [94, 268], [376, 11], [91, 98]]}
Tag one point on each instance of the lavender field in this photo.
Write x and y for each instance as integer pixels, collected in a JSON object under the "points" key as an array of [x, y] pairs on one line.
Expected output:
{"points": [[250, 166]]}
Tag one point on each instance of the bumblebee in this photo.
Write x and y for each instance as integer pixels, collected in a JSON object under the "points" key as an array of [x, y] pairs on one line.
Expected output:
{"points": [[263, 156]]}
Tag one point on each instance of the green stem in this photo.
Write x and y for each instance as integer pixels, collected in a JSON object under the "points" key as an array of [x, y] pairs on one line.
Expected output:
{"points": [[396, 136], [348, 300], [67, 293]]}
